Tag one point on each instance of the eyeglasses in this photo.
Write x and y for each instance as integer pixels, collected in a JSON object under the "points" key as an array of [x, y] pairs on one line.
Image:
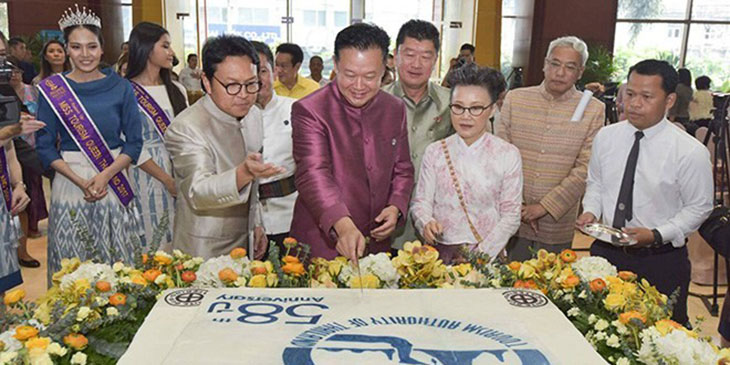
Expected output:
{"points": [[475, 110], [570, 67], [234, 88]]}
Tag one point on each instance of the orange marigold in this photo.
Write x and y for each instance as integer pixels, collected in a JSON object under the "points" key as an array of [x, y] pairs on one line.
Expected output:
{"points": [[118, 299], [627, 275], [103, 286], [293, 268], [76, 340], [151, 274], [289, 259], [598, 285], [227, 275], [238, 253], [626, 317]]}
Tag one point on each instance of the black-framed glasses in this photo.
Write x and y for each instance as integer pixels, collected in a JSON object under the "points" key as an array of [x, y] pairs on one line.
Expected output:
{"points": [[475, 110], [234, 88]]}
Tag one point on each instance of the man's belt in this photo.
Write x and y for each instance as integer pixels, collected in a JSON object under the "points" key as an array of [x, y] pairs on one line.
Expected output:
{"points": [[277, 189]]}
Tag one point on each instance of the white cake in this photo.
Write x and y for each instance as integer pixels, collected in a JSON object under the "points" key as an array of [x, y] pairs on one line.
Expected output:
{"points": [[338, 326]]}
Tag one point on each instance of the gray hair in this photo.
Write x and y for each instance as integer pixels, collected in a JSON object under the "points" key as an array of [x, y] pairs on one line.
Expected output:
{"points": [[573, 42]]}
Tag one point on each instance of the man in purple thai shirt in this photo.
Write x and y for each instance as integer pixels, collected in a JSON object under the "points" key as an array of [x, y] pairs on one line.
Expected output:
{"points": [[354, 171]]}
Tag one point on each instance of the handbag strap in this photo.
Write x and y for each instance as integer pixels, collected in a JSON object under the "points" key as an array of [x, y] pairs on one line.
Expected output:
{"points": [[462, 202]]}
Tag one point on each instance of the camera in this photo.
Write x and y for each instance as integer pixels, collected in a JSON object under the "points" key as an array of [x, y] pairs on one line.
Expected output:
{"points": [[10, 105]]}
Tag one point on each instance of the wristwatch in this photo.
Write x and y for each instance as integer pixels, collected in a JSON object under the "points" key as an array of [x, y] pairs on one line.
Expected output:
{"points": [[658, 240]]}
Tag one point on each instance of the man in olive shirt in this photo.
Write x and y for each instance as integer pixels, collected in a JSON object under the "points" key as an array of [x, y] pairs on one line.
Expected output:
{"points": [[427, 103]]}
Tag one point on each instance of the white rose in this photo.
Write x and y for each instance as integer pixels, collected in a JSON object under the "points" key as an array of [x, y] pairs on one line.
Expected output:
{"points": [[623, 361], [573, 312], [599, 336], [240, 282], [79, 358], [111, 311], [189, 264], [583, 295], [83, 313], [592, 319], [568, 298], [125, 280], [161, 279], [56, 349], [40, 359], [177, 253], [7, 357], [127, 270], [613, 341], [101, 301], [118, 266], [601, 325], [620, 327]]}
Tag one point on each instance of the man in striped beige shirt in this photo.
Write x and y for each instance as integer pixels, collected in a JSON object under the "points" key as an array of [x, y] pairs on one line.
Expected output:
{"points": [[554, 140]]}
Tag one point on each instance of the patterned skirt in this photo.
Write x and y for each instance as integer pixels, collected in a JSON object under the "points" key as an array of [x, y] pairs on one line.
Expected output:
{"points": [[111, 229], [153, 199], [9, 269]]}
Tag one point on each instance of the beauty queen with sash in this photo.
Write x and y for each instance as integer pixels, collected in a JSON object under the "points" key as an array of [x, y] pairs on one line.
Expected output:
{"points": [[159, 100], [95, 115], [9, 269]]}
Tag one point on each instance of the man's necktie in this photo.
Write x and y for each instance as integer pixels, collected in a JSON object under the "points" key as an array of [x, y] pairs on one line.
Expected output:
{"points": [[625, 202]]}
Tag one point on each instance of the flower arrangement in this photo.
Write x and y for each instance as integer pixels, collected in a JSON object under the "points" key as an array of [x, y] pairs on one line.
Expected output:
{"points": [[93, 310]]}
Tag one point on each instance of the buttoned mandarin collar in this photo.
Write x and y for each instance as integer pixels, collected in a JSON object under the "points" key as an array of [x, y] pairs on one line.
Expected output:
{"points": [[474, 146], [550, 98], [219, 114], [430, 94], [652, 131]]}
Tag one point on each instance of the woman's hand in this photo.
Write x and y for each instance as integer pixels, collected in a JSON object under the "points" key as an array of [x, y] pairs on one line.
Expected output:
{"points": [[96, 187], [170, 186], [20, 199], [432, 231], [28, 124]]}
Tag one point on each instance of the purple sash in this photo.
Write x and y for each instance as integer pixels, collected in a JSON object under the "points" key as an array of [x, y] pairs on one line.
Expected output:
{"points": [[82, 129], [153, 110], [5, 179]]}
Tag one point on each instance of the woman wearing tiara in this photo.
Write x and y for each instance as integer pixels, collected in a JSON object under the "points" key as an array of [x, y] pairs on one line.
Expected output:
{"points": [[96, 116], [160, 99]]}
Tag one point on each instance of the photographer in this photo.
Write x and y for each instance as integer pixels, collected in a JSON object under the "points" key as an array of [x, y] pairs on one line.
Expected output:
{"points": [[466, 56]]}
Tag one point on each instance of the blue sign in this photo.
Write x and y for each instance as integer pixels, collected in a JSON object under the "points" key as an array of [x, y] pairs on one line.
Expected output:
{"points": [[263, 33], [215, 30]]}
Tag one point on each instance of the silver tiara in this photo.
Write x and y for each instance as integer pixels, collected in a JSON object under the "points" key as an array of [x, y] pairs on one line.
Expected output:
{"points": [[83, 16]]}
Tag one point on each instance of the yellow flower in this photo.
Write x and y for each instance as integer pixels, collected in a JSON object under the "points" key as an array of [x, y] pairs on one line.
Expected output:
{"points": [[463, 269], [368, 281], [14, 296], [23, 333], [81, 285], [665, 326], [425, 254], [526, 271], [614, 301], [139, 280], [37, 343], [257, 281], [334, 267], [409, 246], [514, 265], [570, 281], [258, 267], [269, 266], [163, 258], [272, 279], [626, 317]]}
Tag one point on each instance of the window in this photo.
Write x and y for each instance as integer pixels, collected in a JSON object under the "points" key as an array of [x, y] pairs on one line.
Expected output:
{"points": [[340, 19], [687, 33], [313, 32], [126, 17]]}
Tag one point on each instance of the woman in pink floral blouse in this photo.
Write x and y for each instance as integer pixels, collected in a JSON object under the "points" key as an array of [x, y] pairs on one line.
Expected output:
{"points": [[470, 187]]}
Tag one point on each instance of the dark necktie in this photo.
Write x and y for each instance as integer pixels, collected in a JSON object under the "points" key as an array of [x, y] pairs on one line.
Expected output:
{"points": [[625, 202]]}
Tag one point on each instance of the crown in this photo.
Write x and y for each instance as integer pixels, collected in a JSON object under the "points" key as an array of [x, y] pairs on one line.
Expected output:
{"points": [[72, 18]]}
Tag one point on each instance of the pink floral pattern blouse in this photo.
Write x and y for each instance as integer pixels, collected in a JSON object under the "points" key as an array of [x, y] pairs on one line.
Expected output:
{"points": [[490, 175]]}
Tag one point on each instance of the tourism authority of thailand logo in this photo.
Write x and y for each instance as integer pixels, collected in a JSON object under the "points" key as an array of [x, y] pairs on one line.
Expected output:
{"points": [[409, 340]]}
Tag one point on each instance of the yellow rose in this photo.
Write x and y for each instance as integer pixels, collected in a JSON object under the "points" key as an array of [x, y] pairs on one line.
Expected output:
{"points": [[257, 281], [14, 296], [269, 266], [139, 280], [614, 301], [368, 281], [23, 333], [409, 246], [37, 343], [272, 280]]}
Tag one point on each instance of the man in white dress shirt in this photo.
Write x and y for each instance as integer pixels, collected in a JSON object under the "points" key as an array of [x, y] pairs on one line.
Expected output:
{"points": [[652, 180], [277, 193], [190, 76], [316, 65]]}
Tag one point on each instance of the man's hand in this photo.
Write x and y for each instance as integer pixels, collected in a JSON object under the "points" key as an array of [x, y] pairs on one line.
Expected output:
{"points": [[432, 231], [20, 200], [585, 218], [254, 165], [350, 242], [533, 212], [644, 236], [261, 243], [387, 219]]}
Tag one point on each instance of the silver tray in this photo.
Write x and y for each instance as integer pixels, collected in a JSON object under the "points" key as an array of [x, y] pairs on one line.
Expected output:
{"points": [[608, 234]]}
